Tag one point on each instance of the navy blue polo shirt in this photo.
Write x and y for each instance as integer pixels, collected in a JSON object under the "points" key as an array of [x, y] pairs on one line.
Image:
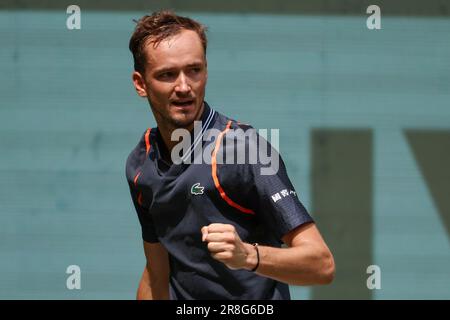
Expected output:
{"points": [[174, 201]]}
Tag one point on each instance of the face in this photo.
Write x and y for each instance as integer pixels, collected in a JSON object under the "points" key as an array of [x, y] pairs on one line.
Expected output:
{"points": [[175, 79]]}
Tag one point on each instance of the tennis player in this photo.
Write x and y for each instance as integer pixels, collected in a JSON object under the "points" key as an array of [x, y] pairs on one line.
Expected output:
{"points": [[211, 230]]}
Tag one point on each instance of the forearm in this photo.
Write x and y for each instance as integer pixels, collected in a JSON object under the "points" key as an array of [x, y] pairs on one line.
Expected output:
{"points": [[152, 287], [306, 264]]}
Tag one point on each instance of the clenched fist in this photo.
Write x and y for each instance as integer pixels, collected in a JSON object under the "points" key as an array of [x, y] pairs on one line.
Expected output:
{"points": [[226, 246]]}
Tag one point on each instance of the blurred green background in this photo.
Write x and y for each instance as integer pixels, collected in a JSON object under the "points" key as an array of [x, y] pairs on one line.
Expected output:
{"points": [[364, 119]]}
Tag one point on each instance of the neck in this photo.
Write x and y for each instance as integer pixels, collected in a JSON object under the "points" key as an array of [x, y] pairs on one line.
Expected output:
{"points": [[166, 133]]}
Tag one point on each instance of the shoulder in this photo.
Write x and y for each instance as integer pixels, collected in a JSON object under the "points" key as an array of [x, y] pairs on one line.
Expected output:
{"points": [[234, 131], [234, 151], [250, 149], [138, 154], [247, 142]]}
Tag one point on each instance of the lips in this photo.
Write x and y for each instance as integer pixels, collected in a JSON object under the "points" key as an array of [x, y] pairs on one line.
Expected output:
{"points": [[183, 103]]}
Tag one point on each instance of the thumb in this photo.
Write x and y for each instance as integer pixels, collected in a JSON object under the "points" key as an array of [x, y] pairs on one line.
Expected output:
{"points": [[204, 233]]}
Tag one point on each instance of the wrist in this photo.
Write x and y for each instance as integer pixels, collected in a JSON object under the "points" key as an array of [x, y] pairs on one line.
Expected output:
{"points": [[252, 259]]}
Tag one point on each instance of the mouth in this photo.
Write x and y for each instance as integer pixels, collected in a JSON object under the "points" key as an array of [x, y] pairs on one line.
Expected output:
{"points": [[183, 103]]}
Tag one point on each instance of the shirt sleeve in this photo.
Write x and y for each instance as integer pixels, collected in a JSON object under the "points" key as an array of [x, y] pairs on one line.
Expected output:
{"points": [[134, 162], [145, 219], [275, 200], [263, 185]]}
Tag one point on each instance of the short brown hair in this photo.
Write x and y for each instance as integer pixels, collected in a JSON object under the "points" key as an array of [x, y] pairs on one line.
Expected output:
{"points": [[159, 26]]}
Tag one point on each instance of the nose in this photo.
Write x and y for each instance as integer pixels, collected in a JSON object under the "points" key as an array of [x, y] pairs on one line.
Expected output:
{"points": [[182, 86]]}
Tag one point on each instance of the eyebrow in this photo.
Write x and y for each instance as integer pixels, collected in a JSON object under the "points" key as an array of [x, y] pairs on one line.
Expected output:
{"points": [[165, 69], [194, 64]]}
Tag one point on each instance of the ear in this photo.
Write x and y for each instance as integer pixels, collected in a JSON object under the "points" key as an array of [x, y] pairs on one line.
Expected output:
{"points": [[139, 84]]}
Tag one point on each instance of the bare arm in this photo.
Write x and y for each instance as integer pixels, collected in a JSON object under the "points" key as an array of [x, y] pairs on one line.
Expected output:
{"points": [[154, 284], [306, 261]]}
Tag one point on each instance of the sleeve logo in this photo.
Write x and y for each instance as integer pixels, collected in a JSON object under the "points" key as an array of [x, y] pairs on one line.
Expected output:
{"points": [[283, 194]]}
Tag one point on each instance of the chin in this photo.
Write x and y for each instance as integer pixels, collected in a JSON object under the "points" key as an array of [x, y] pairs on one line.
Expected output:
{"points": [[184, 117], [183, 120]]}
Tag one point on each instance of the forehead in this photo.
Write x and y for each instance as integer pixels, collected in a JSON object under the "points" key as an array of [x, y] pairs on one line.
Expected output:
{"points": [[176, 51]]}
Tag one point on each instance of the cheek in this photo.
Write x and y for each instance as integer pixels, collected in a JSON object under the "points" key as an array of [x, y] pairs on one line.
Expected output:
{"points": [[200, 86], [158, 91]]}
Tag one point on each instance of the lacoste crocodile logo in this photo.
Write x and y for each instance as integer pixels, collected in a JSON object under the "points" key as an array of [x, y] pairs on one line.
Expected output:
{"points": [[197, 189]]}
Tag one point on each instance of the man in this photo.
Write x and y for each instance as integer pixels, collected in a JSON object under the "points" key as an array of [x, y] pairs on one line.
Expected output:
{"points": [[210, 230]]}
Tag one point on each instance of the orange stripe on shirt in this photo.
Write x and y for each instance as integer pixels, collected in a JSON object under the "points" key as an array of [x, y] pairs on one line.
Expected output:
{"points": [[147, 150], [147, 141], [216, 179], [140, 198], [136, 178]]}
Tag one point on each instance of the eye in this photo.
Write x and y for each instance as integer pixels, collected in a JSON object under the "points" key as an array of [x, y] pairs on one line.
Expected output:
{"points": [[195, 70], [166, 75]]}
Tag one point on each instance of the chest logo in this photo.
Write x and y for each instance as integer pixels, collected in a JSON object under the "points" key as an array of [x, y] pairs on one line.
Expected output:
{"points": [[196, 189]]}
